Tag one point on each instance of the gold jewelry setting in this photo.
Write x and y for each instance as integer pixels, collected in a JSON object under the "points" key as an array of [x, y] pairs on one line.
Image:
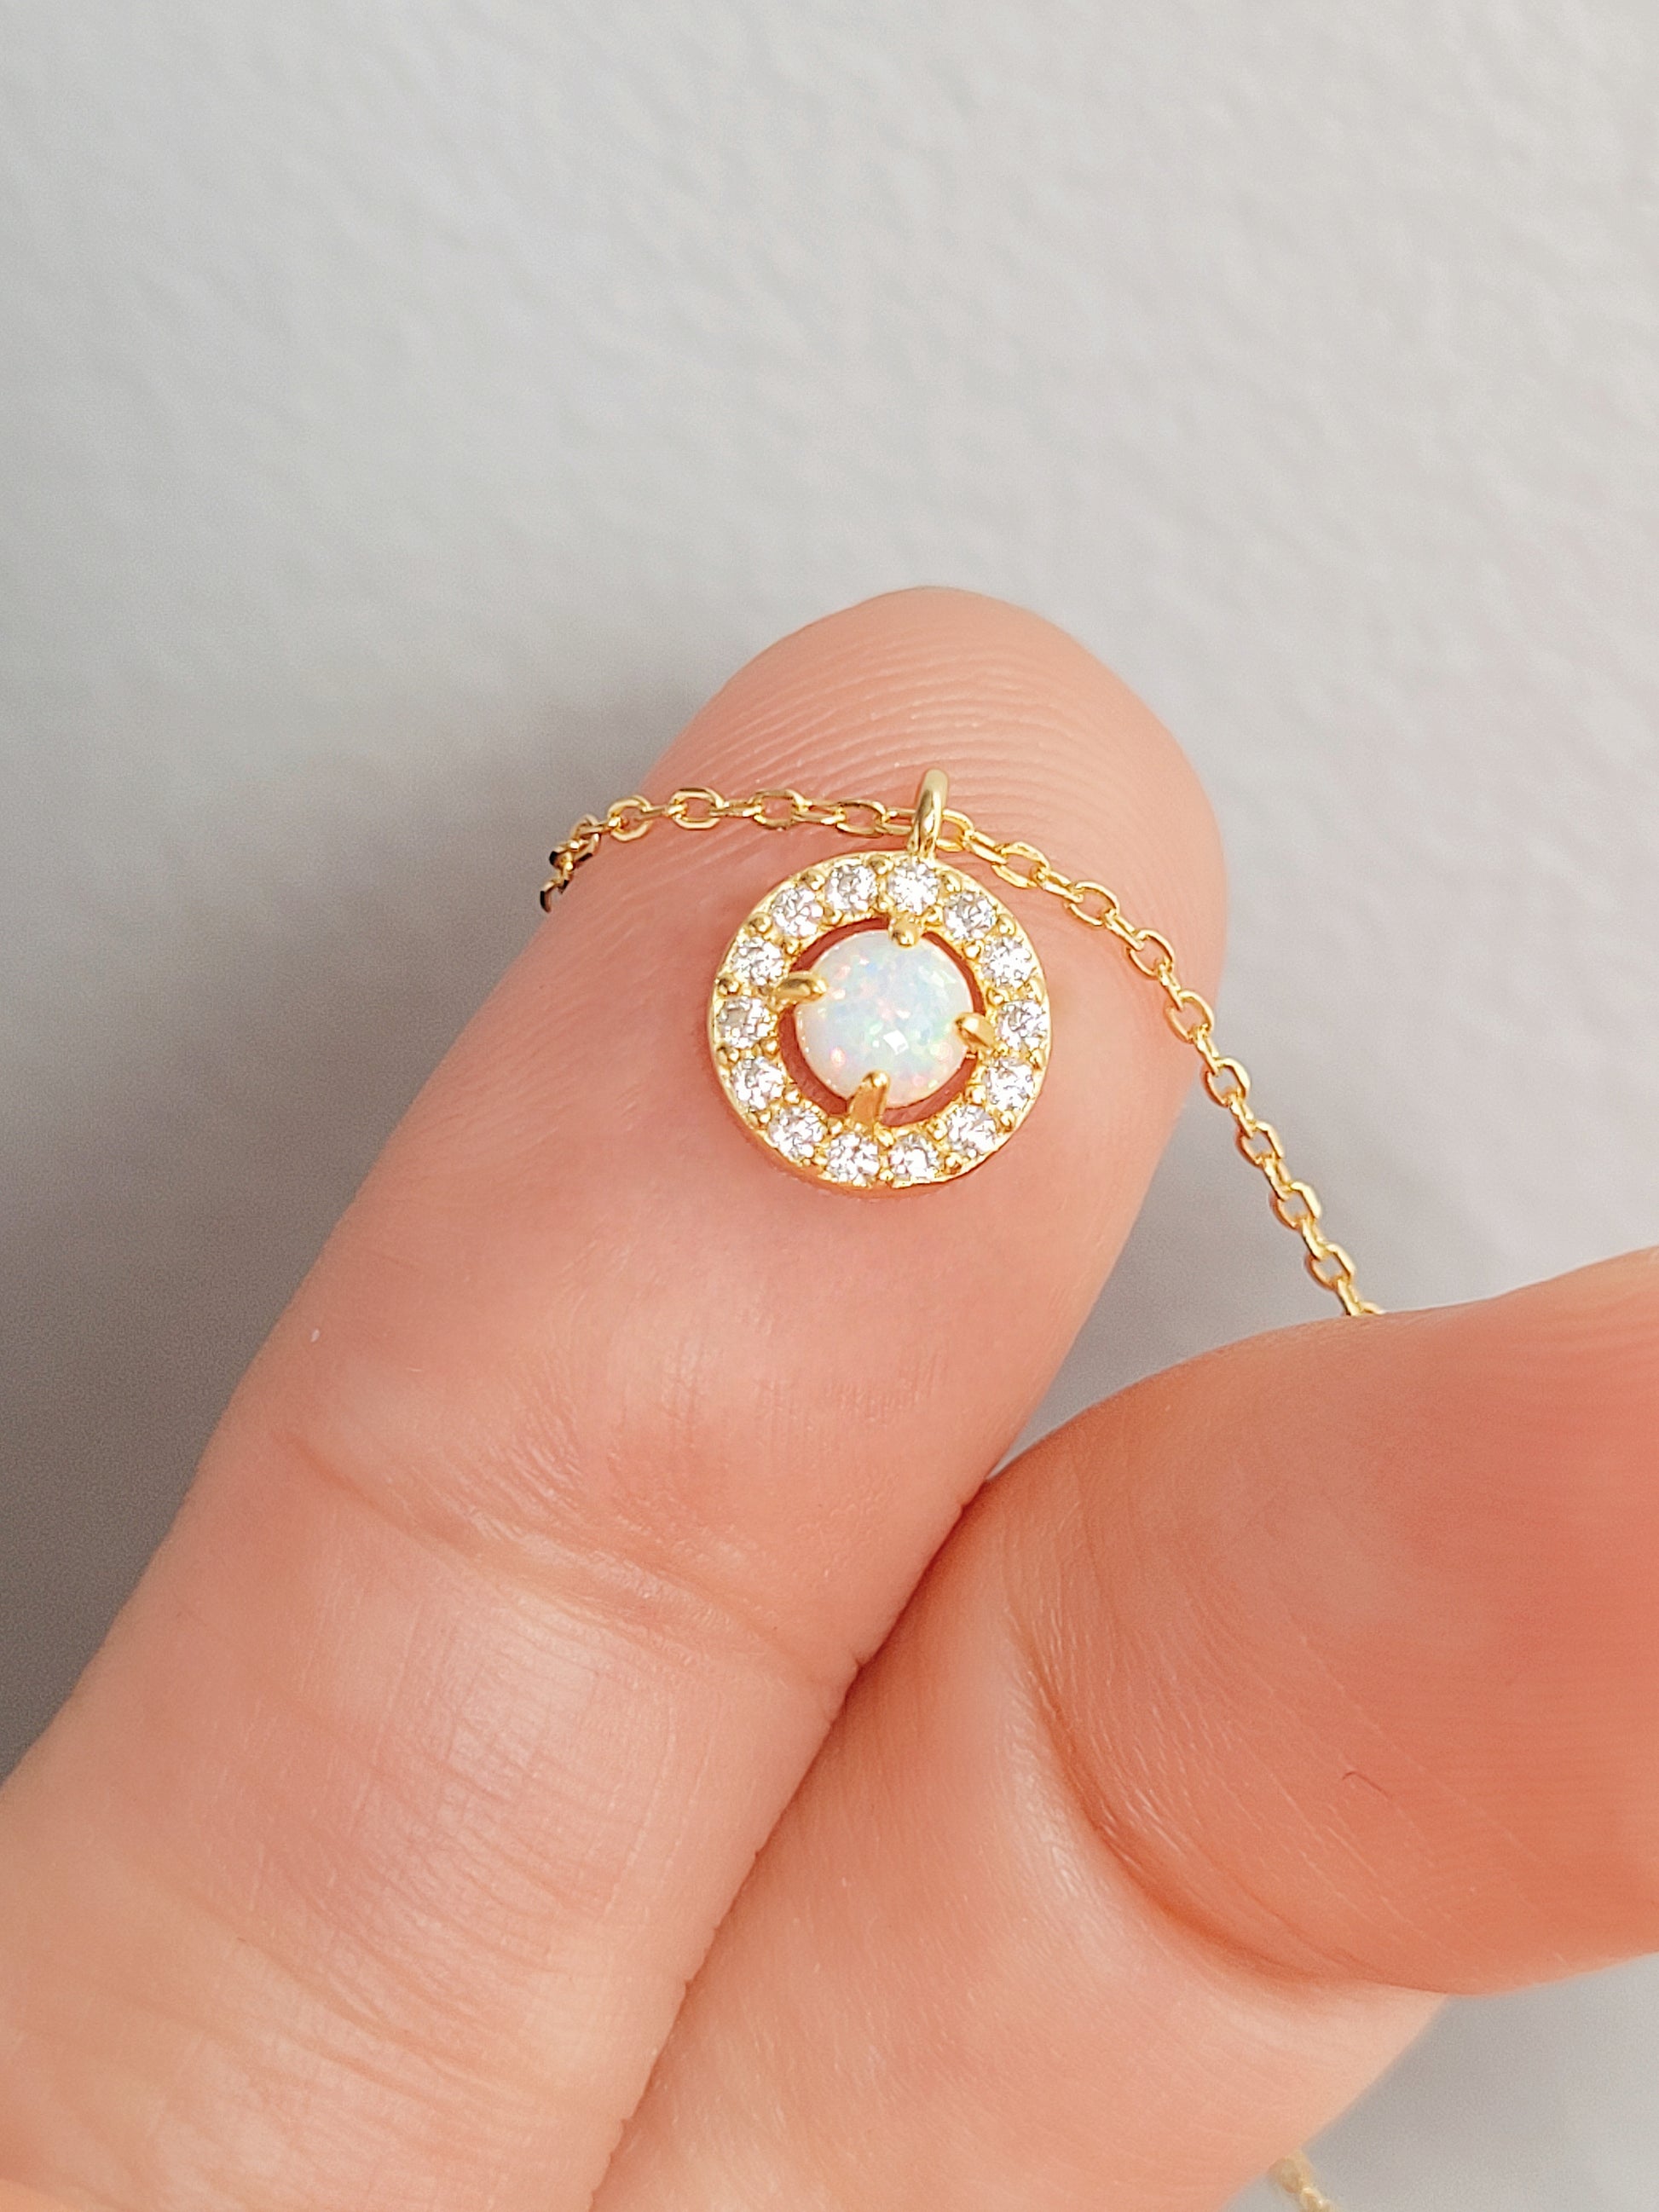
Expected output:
{"points": [[880, 1021], [932, 829]]}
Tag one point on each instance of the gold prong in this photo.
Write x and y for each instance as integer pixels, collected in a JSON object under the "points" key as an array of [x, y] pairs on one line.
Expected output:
{"points": [[906, 928], [866, 1103], [928, 817], [797, 990], [976, 1032]]}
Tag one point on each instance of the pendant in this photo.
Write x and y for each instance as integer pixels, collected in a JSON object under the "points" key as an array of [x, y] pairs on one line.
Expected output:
{"points": [[880, 1021]]}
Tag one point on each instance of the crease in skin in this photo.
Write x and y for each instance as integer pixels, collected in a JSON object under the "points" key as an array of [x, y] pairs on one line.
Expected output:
{"points": [[564, 1473], [674, 1601]]}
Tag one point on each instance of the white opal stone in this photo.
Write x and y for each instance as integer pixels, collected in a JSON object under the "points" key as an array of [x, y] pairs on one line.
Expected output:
{"points": [[888, 1009]]}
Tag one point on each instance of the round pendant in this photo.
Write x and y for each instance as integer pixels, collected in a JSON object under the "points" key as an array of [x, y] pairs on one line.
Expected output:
{"points": [[880, 1022]]}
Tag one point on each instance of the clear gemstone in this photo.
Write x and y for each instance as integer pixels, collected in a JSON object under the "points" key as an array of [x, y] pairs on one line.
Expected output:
{"points": [[1007, 962], [742, 1021], [852, 1157], [969, 1130], [757, 1081], [967, 917], [1023, 1024], [887, 1009], [1010, 1085], [798, 912], [912, 1159], [757, 960], [912, 886], [849, 889], [796, 1132]]}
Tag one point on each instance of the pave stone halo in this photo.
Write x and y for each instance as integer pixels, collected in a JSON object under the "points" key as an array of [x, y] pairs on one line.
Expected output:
{"points": [[880, 1021]]}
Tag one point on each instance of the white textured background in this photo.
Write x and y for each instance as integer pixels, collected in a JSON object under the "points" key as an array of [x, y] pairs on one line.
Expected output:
{"points": [[410, 410]]}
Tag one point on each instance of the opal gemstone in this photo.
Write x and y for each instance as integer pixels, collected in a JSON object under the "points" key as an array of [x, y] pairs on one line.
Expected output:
{"points": [[888, 1009]]}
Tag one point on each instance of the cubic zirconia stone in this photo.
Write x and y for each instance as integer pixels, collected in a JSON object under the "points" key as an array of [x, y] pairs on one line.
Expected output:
{"points": [[798, 912], [1010, 1085], [1022, 1025], [887, 1009], [742, 1021], [912, 1159], [912, 886], [757, 1081], [849, 889], [969, 1130], [797, 1131], [968, 917], [852, 1157], [757, 961], [1008, 961]]}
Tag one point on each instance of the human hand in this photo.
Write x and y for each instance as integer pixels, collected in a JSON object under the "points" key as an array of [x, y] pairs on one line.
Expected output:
{"points": [[490, 1689]]}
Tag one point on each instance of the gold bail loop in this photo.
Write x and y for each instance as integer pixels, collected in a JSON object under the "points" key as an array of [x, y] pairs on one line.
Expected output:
{"points": [[928, 817]]}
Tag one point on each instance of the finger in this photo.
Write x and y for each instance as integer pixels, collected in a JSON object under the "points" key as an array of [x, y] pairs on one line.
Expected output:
{"points": [[533, 1557], [1316, 1675]]}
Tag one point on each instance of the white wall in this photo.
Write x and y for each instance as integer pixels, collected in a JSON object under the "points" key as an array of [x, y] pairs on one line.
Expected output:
{"points": [[409, 409]]}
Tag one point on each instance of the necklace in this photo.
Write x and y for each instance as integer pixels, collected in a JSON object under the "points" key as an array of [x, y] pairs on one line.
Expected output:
{"points": [[912, 1043], [880, 1021]]}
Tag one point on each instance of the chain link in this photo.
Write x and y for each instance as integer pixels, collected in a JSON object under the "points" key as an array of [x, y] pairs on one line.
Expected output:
{"points": [[1027, 868], [1296, 2178], [1188, 1014]]}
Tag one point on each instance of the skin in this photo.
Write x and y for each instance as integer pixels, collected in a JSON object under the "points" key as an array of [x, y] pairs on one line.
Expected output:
{"points": [[590, 1739]]}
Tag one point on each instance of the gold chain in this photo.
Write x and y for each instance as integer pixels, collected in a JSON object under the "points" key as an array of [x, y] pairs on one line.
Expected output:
{"points": [[1189, 1015], [1296, 2178]]}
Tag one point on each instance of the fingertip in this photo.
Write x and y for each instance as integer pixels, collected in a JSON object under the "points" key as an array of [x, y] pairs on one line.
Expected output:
{"points": [[596, 1453], [1359, 1638], [1035, 730]]}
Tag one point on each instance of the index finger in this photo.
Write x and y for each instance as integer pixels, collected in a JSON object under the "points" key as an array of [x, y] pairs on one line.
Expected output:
{"points": [[533, 1558]]}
